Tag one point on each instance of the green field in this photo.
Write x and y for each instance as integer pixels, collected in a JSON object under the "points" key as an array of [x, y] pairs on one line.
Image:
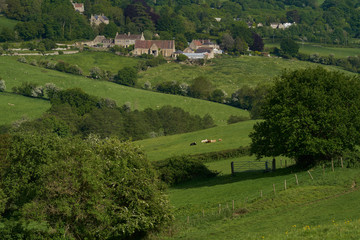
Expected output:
{"points": [[14, 73], [327, 200], [6, 22], [226, 73], [87, 60], [14, 107], [338, 52], [233, 136]]}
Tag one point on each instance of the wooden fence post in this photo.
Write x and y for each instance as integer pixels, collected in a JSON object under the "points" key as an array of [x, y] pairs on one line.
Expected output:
{"points": [[285, 184], [273, 164], [261, 193], [297, 182], [342, 163], [310, 175], [232, 168], [332, 164], [274, 188]]}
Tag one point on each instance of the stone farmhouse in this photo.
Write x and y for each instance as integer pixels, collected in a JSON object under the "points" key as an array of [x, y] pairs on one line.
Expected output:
{"points": [[125, 40], [101, 41], [154, 47], [203, 48], [195, 44], [79, 7], [98, 19]]}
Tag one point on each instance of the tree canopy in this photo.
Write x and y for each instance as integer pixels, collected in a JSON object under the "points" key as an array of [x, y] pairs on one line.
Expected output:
{"points": [[68, 188], [310, 115]]}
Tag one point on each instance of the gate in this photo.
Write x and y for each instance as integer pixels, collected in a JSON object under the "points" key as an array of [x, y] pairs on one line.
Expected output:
{"points": [[245, 166]]}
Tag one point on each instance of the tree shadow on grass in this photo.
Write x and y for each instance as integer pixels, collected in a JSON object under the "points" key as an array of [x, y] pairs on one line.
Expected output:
{"points": [[238, 177]]}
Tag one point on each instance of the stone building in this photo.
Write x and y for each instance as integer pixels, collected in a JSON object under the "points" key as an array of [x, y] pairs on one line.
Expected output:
{"points": [[125, 40], [154, 47], [98, 19]]}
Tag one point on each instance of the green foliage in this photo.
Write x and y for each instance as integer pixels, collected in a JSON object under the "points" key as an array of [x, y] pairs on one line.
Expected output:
{"points": [[29, 89], [76, 98], [181, 58], [69, 188], [200, 88], [234, 119], [180, 169], [68, 68], [289, 47], [126, 76], [310, 115], [2, 85]]}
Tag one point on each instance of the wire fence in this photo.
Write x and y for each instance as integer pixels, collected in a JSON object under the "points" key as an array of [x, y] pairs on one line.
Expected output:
{"points": [[232, 208]]}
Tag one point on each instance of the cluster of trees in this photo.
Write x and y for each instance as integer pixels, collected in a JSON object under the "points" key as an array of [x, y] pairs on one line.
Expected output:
{"points": [[60, 65], [73, 112], [334, 21], [309, 115]]}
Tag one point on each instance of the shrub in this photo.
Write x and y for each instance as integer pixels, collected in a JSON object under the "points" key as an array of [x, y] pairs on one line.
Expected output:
{"points": [[180, 169], [2, 85], [29, 89], [22, 60], [234, 119], [182, 58], [126, 76], [68, 188]]}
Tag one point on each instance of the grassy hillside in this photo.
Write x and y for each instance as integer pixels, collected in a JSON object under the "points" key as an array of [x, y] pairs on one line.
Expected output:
{"points": [[329, 200], [87, 60], [233, 136], [14, 107], [14, 73], [6, 22], [226, 73], [338, 52]]}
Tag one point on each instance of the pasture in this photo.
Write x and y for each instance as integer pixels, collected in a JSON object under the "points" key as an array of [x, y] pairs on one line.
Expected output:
{"points": [[14, 73], [87, 60], [226, 73], [308, 48], [15, 107], [233, 136], [300, 212], [6, 22]]}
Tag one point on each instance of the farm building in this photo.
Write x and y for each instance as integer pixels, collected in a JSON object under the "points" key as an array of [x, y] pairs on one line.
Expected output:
{"points": [[154, 47], [125, 40]]}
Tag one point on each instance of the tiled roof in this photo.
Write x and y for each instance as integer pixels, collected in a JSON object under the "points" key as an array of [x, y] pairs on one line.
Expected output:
{"points": [[163, 44], [125, 36], [78, 5]]}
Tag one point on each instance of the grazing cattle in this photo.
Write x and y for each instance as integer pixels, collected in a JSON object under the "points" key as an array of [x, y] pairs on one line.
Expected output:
{"points": [[212, 141], [193, 144], [204, 141], [220, 140]]}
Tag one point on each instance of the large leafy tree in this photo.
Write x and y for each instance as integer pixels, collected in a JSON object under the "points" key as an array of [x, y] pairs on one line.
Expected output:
{"points": [[310, 115], [61, 188]]}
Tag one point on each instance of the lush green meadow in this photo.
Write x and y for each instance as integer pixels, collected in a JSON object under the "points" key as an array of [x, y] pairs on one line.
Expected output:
{"points": [[227, 73], [338, 52], [233, 136], [6, 22], [15, 107], [14, 73], [87, 60], [296, 212]]}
